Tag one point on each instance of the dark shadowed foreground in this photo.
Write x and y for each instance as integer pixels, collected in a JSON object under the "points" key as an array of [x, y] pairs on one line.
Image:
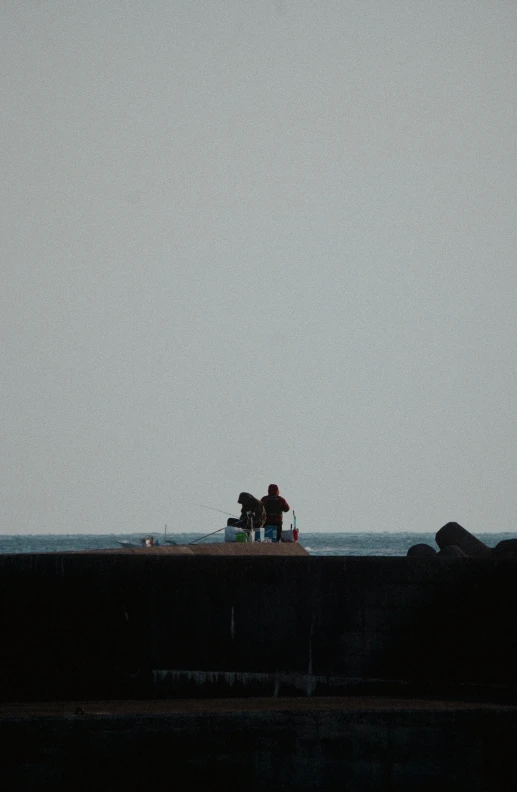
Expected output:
{"points": [[282, 671], [261, 744]]}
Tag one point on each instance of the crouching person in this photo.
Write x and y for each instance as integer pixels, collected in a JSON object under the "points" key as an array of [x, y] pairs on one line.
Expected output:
{"points": [[253, 513]]}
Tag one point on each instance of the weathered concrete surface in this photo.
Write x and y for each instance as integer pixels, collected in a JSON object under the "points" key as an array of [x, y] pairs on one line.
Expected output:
{"points": [[254, 744], [144, 624], [283, 549]]}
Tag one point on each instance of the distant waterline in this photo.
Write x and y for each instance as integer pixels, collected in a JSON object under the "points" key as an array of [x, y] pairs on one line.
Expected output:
{"points": [[318, 544]]}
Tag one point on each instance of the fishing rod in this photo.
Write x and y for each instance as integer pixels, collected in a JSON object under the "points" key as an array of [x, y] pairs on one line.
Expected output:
{"points": [[210, 534], [217, 510], [219, 529]]}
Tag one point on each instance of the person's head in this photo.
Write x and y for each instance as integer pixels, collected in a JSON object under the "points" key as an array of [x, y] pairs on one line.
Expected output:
{"points": [[273, 489], [245, 498]]}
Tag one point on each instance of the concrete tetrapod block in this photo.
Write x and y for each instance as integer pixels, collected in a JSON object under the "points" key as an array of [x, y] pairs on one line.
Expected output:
{"points": [[506, 549], [421, 551], [452, 551], [454, 534]]}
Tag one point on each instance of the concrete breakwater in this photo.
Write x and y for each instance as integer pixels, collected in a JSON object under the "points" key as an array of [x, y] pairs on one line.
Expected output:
{"points": [[111, 625], [131, 665]]}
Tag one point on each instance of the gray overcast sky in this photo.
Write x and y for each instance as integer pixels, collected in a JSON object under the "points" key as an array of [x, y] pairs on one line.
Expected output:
{"points": [[255, 242]]}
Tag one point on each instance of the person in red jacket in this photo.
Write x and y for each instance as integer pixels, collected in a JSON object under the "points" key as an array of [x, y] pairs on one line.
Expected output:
{"points": [[275, 505]]}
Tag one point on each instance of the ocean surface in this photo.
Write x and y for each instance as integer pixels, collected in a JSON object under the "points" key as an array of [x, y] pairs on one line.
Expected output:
{"points": [[320, 544]]}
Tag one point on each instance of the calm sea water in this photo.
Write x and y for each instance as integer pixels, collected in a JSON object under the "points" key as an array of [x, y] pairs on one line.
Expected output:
{"points": [[320, 544]]}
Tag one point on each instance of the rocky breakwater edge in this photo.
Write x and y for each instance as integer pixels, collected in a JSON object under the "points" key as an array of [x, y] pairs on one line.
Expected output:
{"points": [[454, 541]]}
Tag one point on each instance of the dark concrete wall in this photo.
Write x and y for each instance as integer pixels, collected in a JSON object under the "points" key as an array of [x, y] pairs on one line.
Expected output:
{"points": [[137, 626], [372, 748]]}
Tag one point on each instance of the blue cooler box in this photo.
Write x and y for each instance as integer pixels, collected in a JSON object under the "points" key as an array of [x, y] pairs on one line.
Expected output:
{"points": [[270, 532]]}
